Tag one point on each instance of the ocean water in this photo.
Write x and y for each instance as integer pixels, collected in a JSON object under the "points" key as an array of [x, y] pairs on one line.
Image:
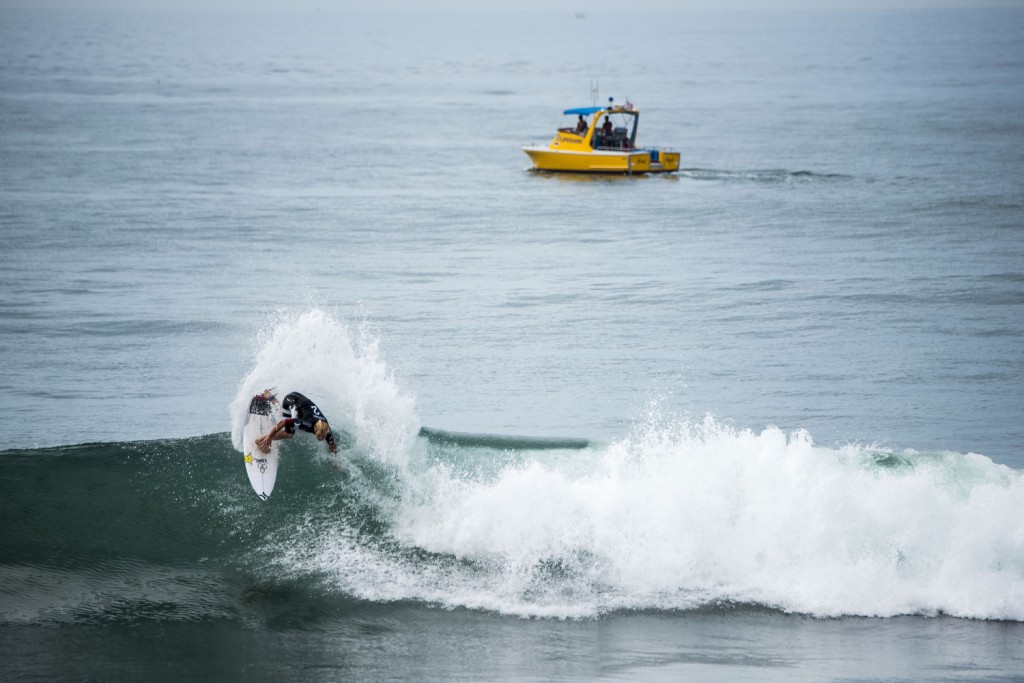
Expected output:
{"points": [[758, 420]]}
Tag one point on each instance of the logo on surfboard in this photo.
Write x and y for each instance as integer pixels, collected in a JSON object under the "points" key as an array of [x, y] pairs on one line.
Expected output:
{"points": [[260, 462]]}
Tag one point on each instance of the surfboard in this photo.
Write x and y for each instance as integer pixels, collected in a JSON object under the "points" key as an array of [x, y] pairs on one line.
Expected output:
{"points": [[261, 467]]}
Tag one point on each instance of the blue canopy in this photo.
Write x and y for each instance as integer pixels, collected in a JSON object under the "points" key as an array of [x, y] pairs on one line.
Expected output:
{"points": [[583, 111]]}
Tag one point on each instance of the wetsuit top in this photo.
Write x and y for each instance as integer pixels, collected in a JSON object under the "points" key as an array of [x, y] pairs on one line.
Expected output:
{"points": [[299, 411]]}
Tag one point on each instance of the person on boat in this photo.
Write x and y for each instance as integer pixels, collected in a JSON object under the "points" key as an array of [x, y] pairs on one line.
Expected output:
{"points": [[299, 412], [581, 126], [605, 138]]}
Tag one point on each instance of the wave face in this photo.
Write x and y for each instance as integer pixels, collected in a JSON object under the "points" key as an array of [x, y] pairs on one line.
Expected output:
{"points": [[677, 518], [678, 515]]}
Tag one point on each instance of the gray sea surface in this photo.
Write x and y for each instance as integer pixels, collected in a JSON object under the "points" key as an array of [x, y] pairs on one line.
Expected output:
{"points": [[842, 253]]}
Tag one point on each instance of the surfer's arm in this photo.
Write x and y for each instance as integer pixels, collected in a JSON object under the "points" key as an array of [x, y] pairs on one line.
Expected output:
{"points": [[278, 432]]}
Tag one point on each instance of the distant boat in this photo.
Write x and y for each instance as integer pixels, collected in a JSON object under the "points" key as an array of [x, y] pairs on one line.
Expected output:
{"points": [[601, 140]]}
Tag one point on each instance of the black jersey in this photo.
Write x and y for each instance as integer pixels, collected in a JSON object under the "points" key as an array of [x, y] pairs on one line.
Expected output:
{"points": [[299, 412]]}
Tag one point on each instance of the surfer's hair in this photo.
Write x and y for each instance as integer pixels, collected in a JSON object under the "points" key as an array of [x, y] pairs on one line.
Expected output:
{"points": [[321, 430]]}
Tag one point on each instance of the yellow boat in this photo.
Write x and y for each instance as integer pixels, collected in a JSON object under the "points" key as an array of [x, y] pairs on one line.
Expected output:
{"points": [[602, 141]]}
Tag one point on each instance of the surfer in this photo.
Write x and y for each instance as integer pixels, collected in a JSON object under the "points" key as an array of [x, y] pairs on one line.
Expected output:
{"points": [[299, 412]]}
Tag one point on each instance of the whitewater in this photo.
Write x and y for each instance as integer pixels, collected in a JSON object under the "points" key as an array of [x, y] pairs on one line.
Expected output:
{"points": [[678, 514]]}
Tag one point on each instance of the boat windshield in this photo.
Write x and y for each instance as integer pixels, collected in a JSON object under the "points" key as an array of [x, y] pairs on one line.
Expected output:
{"points": [[616, 130]]}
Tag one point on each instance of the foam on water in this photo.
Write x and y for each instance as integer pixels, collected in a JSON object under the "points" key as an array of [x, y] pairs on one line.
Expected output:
{"points": [[679, 514]]}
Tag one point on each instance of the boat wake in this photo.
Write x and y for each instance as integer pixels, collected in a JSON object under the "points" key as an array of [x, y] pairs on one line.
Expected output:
{"points": [[762, 176]]}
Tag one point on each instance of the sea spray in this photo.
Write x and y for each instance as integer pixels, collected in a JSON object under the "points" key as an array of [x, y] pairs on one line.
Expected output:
{"points": [[341, 370]]}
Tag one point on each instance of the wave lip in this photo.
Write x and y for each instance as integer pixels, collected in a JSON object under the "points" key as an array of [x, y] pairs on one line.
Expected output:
{"points": [[502, 442]]}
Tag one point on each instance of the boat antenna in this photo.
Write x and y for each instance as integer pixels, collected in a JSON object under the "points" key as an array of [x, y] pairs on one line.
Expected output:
{"points": [[593, 92]]}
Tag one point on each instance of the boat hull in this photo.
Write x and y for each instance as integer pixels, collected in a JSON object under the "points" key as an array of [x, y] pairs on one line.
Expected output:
{"points": [[602, 161]]}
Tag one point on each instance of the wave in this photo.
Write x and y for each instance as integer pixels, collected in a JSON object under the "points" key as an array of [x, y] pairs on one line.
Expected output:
{"points": [[676, 515], [680, 518]]}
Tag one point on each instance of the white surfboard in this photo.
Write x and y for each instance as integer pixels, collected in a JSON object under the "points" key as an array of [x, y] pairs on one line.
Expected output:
{"points": [[261, 467]]}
